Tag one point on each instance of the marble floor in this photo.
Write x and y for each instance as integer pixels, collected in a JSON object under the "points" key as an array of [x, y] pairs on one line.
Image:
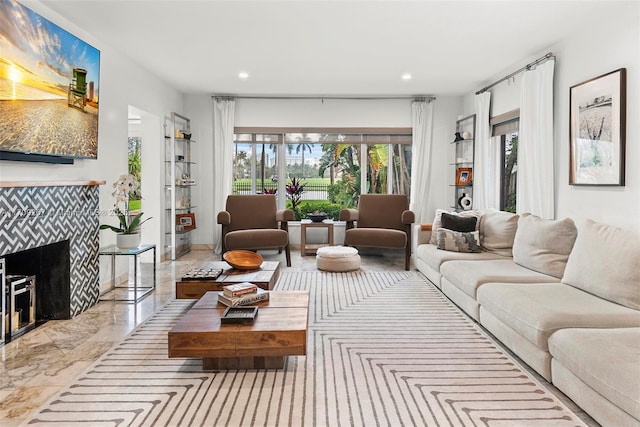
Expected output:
{"points": [[37, 365]]}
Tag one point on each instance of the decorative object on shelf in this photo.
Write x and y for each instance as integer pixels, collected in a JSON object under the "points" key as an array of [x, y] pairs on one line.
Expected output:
{"points": [[243, 260], [465, 202], [464, 176], [129, 229], [466, 135], [597, 130], [186, 136], [187, 221], [458, 137], [317, 216]]}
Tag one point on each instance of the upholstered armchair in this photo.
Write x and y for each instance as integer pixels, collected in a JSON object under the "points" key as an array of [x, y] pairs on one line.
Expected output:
{"points": [[254, 222], [381, 221]]}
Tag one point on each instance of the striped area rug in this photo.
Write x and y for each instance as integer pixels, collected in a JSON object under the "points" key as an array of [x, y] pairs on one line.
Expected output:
{"points": [[384, 349]]}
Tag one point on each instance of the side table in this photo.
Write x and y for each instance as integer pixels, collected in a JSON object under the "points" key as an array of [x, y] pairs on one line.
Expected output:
{"points": [[265, 277], [139, 290], [310, 249]]}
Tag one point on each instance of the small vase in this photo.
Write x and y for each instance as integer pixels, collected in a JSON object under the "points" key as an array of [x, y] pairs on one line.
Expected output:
{"points": [[460, 200], [465, 202], [127, 241]]}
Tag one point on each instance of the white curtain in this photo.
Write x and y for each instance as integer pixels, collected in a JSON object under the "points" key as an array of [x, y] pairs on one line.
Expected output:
{"points": [[486, 165], [535, 187], [422, 123], [223, 123]]}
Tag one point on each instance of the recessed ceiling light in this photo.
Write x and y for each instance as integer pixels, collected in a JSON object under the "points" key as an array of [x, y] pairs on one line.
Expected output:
{"points": [[243, 75], [406, 76]]}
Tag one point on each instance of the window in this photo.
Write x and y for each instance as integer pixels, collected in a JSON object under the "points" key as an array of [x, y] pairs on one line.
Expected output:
{"points": [[330, 164], [255, 163], [509, 150], [506, 128]]}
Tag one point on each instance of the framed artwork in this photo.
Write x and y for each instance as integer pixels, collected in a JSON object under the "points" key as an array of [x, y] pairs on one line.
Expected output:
{"points": [[186, 221], [597, 110], [464, 176]]}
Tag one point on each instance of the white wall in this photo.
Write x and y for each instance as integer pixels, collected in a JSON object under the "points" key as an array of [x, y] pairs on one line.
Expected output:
{"points": [[614, 44], [122, 83], [315, 113], [323, 113], [199, 109]]}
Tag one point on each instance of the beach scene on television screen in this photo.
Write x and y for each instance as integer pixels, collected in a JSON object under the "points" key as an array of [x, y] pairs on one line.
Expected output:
{"points": [[49, 86]]}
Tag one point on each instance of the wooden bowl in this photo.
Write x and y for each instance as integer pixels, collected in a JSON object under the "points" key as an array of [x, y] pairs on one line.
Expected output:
{"points": [[243, 260]]}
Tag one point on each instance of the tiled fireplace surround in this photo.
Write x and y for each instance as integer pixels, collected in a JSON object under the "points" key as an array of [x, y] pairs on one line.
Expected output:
{"points": [[36, 214]]}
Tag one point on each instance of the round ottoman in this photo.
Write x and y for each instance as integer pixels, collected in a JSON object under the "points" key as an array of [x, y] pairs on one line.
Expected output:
{"points": [[337, 258]]}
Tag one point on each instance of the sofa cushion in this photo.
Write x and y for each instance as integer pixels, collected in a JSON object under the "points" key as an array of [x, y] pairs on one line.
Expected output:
{"points": [[605, 261], [535, 311], [497, 231], [468, 276], [256, 239], [603, 359], [375, 237], [458, 223], [437, 221], [450, 240], [434, 258], [544, 245]]}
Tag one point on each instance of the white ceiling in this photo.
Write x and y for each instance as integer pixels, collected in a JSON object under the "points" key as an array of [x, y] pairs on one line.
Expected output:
{"points": [[331, 48]]}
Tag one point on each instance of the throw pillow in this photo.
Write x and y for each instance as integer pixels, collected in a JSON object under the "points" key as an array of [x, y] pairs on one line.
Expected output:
{"points": [[438, 218], [544, 245], [497, 231], [604, 262], [456, 241], [458, 223]]}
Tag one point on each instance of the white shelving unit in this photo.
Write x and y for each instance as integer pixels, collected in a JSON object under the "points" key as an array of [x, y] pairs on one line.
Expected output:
{"points": [[463, 163], [179, 181]]}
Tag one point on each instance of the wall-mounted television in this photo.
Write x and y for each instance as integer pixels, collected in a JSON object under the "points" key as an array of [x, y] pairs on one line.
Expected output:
{"points": [[49, 89]]}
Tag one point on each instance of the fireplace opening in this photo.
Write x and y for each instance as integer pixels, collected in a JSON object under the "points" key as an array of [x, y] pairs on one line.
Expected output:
{"points": [[49, 267]]}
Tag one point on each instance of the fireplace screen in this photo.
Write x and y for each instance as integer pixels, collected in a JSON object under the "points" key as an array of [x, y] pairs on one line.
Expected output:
{"points": [[21, 302]]}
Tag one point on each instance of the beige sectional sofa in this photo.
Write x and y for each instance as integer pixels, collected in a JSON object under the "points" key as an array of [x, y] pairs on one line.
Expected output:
{"points": [[566, 301]]}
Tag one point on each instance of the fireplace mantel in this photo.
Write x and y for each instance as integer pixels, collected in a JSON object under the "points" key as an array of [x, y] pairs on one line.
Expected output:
{"points": [[18, 184]]}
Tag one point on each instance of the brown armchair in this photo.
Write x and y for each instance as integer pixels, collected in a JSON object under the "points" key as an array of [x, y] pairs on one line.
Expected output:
{"points": [[383, 221], [251, 222]]}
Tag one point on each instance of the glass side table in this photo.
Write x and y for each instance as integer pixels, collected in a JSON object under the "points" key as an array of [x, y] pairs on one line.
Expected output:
{"points": [[135, 291]]}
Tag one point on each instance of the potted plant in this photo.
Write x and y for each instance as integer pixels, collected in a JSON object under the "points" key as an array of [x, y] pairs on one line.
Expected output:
{"points": [[294, 194], [128, 232]]}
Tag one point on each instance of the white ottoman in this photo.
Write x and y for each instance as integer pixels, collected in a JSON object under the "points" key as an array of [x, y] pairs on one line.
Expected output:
{"points": [[337, 258]]}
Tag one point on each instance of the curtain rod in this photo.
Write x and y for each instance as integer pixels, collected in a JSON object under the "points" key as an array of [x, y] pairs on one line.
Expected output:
{"points": [[525, 68], [425, 98]]}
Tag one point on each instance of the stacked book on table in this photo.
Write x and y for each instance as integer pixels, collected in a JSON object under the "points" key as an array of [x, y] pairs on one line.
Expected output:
{"points": [[244, 293]]}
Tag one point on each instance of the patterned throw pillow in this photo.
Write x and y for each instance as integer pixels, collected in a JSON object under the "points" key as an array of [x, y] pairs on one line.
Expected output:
{"points": [[436, 224], [456, 241]]}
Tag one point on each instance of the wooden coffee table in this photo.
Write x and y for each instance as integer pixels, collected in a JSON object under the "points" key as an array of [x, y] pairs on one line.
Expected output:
{"points": [[265, 277], [279, 330]]}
